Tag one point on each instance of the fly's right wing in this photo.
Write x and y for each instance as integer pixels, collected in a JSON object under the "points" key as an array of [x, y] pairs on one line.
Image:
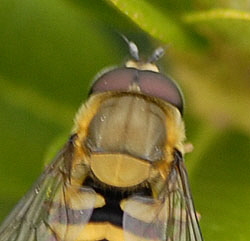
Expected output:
{"points": [[54, 209], [171, 218]]}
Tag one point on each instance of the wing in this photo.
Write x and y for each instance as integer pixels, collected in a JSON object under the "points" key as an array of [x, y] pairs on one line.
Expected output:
{"points": [[182, 222], [49, 210], [171, 218]]}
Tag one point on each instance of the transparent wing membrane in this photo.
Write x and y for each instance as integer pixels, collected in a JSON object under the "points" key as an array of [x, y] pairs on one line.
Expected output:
{"points": [[53, 210], [70, 211], [172, 218], [144, 219]]}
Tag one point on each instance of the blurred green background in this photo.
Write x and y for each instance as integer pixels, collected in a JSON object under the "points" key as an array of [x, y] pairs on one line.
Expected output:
{"points": [[51, 50]]}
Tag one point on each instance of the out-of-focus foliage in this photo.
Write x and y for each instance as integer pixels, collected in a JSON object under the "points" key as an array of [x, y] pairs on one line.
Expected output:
{"points": [[51, 50]]}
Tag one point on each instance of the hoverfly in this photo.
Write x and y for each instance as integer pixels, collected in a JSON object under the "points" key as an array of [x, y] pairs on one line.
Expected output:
{"points": [[121, 175]]}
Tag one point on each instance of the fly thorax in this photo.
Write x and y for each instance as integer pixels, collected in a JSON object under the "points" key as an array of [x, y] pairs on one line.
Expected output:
{"points": [[125, 137]]}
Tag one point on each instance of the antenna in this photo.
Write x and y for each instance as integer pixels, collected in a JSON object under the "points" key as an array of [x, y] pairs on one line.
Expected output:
{"points": [[133, 49], [157, 54]]}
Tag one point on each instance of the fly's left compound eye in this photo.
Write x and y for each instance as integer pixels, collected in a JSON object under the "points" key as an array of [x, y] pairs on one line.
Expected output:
{"points": [[149, 83]]}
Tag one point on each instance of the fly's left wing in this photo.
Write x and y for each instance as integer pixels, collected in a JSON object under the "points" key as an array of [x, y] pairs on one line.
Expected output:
{"points": [[171, 218], [54, 209]]}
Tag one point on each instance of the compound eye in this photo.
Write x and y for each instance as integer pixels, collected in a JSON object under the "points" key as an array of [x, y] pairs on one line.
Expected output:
{"points": [[149, 82], [158, 85], [115, 80]]}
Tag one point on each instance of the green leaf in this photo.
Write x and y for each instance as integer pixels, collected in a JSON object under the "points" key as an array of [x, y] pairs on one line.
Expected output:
{"points": [[154, 22], [220, 183], [214, 14], [24, 97]]}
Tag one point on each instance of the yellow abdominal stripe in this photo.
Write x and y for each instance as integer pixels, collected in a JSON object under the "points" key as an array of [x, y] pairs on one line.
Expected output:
{"points": [[105, 230], [90, 232]]}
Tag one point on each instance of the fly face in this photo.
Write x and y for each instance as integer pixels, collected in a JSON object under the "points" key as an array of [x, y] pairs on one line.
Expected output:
{"points": [[121, 175]]}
